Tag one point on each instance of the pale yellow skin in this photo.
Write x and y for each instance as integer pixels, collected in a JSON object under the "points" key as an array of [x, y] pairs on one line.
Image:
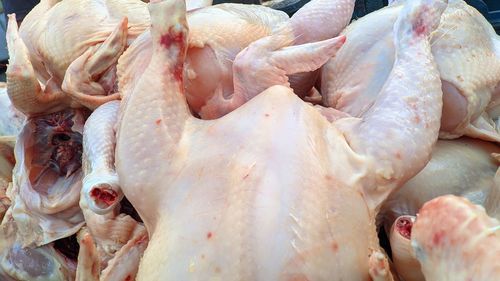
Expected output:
{"points": [[273, 190], [459, 247], [224, 41], [467, 52], [52, 67], [117, 252], [463, 167]]}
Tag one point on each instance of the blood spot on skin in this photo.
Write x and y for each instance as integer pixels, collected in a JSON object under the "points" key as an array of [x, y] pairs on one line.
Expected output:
{"points": [[420, 26], [437, 239], [403, 226], [158, 121], [104, 196], [128, 278], [171, 37], [334, 246], [209, 235], [398, 155], [175, 38]]}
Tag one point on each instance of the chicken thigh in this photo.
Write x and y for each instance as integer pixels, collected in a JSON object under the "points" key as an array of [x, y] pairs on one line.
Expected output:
{"points": [[272, 190], [466, 49]]}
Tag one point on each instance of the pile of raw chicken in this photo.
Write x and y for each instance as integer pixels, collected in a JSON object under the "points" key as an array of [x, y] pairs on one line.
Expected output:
{"points": [[184, 141]]}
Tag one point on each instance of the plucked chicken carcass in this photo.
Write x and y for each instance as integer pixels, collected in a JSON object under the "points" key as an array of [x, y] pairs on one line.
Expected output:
{"points": [[452, 239], [47, 177], [272, 191], [467, 52], [464, 167], [225, 40], [66, 51]]}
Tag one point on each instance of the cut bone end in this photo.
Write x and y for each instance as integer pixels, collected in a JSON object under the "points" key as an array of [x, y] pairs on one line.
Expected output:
{"points": [[102, 192], [405, 262], [103, 196], [404, 225]]}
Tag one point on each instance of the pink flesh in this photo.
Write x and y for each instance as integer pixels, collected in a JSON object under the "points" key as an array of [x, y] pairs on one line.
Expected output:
{"points": [[102, 196], [403, 226]]}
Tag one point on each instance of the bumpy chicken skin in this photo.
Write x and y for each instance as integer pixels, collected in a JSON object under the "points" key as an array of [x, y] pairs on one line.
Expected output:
{"points": [[466, 49], [75, 67], [463, 167], [463, 246], [270, 212]]}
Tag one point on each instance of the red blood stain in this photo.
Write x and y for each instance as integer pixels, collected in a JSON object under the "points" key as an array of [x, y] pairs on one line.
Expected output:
{"points": [[158, 121], [178, 71], [404, 225], [172, 37], [175, 38], [438, 238], [420, 26], [335, 247], [128, 278], [105, 196], [209, 235]]}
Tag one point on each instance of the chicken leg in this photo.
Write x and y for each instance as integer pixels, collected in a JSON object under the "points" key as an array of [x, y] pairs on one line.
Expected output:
{"points": [[234, 198]]}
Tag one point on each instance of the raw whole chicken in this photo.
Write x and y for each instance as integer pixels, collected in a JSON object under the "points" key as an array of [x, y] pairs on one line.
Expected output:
{"points": [[466, 50], [221, 46], [462, 246], [65, 52], [47, 177], [463, 167], [177, 140], [272, 190]]}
